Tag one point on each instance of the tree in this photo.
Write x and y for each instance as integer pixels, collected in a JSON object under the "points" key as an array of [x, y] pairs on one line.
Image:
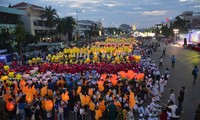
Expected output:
{"points": [[181, 24], [59, 27], [67, 25], [51, 17], [20, 37]]}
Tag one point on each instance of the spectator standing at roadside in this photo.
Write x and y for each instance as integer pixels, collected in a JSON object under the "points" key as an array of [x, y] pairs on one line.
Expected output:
{"points": [[181, 97], [167, 73], [172, 96], [173, 107], [194, 73], [161, 62], [173, 60], [163, 53]]}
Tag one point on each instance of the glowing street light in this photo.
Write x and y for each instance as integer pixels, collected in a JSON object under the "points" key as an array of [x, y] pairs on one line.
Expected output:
{"points": [[176, 31]]}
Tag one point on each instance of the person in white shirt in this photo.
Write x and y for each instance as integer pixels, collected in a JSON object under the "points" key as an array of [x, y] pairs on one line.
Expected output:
{"points": [[129, 115], [141, 117], [147, 110], [82, 112], [162, 83], [172, 96], [173, 107]]}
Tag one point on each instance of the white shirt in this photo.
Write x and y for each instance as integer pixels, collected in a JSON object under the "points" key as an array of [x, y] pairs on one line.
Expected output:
{"points": [[82, 111], [172, 97], [173, 108]]}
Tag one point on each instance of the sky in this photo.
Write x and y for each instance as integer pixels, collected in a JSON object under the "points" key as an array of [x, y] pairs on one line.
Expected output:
{"points": [[112, 13]]}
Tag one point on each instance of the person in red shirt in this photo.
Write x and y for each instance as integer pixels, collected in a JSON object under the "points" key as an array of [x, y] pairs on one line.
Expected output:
{"points": [[163, 115]]}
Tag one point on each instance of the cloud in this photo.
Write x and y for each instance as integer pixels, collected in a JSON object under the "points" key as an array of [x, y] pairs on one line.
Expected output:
{"points": [[137, 8], [113, 4], [185, 0], [197, 6], [155, 13], [73, 3]]}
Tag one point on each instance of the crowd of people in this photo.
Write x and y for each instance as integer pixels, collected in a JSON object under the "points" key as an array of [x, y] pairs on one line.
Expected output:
{"points": [[96, 91]]}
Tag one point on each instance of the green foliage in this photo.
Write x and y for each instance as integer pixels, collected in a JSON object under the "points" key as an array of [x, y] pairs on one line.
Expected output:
{"points": [[51, 16], [20, 32], [66, 26], [182, 25]]}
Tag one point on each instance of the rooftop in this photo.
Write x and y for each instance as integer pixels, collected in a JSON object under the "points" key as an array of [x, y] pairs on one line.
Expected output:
{"points": [[12, 11], [24, 4]]}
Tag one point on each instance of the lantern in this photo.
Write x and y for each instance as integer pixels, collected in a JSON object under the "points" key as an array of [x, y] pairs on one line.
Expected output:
{"points": [[6, 67], [43, 91], [122, 74], [11, 74], [65, 96], [132, 100], [91, 106], [101, 87], [87, 60], [18, 76], [48, 105], [4, 78], [90, 92], [98, 114], [95, 58], [87, 99], [22, 83], [102, 106], [117, 59], [10, 106], [83, 99], [29, 97]]}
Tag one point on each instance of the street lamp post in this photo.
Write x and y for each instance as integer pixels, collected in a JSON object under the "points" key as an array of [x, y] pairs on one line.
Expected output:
{"points": [[77, 25], [176, 31]]}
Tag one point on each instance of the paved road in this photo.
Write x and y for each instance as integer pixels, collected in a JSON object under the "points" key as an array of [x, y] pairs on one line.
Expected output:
{"points": [[181, 75]]}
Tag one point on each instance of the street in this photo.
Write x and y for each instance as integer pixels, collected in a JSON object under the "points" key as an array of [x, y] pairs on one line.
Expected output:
{"points": [[180, 76]]}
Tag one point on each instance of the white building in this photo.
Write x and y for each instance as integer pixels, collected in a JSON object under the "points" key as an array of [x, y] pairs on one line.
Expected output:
{"points": [[32, 20], [85, 26]]}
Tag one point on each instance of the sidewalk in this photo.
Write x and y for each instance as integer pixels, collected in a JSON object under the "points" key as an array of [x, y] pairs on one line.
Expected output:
{"points": [[180, 76]]}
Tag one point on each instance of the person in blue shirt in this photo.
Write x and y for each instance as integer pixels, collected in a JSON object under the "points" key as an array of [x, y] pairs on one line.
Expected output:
{"points": [[173, 60], [21, 108], [195, 73]]}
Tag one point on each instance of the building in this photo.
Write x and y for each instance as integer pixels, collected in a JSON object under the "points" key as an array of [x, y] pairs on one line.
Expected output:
{"points": [[193, 17], [86, 26], [32, 21], [9, 18]]}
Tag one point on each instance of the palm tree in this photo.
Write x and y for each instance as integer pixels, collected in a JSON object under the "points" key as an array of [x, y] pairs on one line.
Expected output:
{"points": [[20, 37], [51, 17], [66, 26], [59, 27]]}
